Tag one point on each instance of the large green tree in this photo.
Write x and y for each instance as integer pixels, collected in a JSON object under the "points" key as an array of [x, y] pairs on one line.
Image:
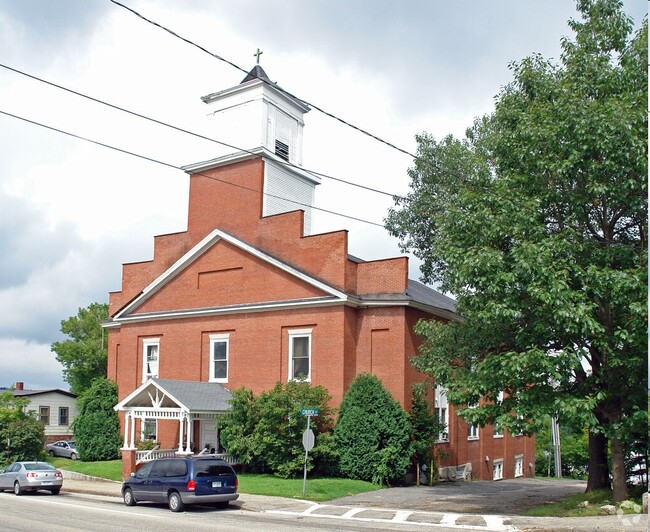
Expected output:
{"points": [[537, 222], [84, 355], [22, 435]]}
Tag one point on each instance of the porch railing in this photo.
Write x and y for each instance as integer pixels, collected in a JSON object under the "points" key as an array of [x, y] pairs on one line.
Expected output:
{"points": [[152, 454]]}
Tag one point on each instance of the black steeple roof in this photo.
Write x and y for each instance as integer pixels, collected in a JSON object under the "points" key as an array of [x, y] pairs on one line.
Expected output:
{"points": [[257, 72]]}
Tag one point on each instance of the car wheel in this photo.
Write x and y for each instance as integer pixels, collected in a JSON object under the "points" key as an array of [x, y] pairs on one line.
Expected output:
{"points": [[18, 490], [175, 502], [51, 453], [129, 499], [55, 491], [73, 456]]}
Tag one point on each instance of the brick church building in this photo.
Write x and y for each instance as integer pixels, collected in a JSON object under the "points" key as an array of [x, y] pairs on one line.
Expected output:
{"points": [[247, 296]]}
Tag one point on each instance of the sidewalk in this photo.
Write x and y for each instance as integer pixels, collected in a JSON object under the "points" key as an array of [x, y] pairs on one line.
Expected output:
{"points": [[76, 483]]}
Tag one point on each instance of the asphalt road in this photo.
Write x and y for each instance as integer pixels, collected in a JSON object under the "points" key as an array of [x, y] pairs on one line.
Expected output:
{"points": [[72, 512]]}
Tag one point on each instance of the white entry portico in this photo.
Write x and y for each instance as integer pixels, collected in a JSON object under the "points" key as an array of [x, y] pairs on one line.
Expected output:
{"points": [[184, 401]]}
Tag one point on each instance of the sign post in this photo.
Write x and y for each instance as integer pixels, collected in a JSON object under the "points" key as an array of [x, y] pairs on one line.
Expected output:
{"points": [[308, 441]]}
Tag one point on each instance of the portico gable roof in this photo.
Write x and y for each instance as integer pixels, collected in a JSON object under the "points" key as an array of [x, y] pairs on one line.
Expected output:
{"points": [[189, 396]]}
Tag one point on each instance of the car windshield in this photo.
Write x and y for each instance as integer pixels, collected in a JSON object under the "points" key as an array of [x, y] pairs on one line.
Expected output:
{"points": [[211, 468], [38, 466], [72, 445]]}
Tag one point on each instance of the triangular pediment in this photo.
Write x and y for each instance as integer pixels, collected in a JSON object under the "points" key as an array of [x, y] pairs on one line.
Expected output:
{"points": [[168, 394], [223, 274]]}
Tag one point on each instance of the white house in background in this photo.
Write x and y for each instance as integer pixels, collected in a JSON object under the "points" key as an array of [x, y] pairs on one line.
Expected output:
{"points": [[56, 408]]}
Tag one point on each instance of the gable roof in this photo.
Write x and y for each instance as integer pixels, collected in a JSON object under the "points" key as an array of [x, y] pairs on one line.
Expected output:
{"points": [[26, 393], [189, 396], [332, 294], [417, 294]]}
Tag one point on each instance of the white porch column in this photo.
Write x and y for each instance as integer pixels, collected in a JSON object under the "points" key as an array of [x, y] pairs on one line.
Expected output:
{"points": [[127, 420], [132, 432], [190, 433], [181, 422]]}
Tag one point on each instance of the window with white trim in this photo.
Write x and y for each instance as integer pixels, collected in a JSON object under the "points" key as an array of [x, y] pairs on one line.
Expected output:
{"points": [[442, 413], [64, 415], [519, 465], [219, 351], [44, 414], [497, 428], [149, 429], [300, 355], [150, 358], [472, 430], [497, 469]]}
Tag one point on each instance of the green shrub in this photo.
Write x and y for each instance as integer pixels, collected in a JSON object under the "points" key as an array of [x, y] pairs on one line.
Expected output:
{"points": [[22, 435], [265, 433], [96, 428], [372, 434]]}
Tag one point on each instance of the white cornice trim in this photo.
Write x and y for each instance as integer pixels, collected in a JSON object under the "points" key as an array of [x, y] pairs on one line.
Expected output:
{"points": [[200, 248], [247, 155]]}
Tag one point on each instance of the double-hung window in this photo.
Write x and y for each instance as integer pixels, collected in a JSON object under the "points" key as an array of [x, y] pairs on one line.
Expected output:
{"points": [[64, 415], [44, 414], [519, 465], [497, 469], [472, 429], [150, 358], [219, 350], [497, 428], [442, 413], [300, 355]]}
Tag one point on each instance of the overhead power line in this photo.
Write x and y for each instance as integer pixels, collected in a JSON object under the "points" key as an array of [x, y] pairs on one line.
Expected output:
{"points": [[216, 56], [197, 135], [169, 165]]}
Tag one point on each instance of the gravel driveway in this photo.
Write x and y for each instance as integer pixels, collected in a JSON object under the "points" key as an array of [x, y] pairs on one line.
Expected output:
{"points": [[504, 497]]}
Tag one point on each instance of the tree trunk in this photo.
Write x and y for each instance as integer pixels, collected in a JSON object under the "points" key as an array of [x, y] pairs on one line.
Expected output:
{"points": [[598, 469], [618, 471]]}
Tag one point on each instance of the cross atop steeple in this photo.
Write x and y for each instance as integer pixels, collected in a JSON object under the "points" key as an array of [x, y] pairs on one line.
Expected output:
{"points": [[257, 55]]}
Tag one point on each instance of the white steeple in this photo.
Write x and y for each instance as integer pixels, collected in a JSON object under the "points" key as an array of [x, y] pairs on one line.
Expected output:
{"points": [[258, 118]]}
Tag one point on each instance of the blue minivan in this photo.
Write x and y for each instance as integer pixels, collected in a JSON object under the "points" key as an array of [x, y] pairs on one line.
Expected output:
{"points": [[181, 481]]}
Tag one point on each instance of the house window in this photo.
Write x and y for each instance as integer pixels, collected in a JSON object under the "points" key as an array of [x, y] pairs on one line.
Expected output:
{"points": [[219, 348], [497, 470], [150, 358], [149, 429], [442, 413], [498, 429], [472, 430], [44, 414], [300, 355], [519, 465], [64, 415]]}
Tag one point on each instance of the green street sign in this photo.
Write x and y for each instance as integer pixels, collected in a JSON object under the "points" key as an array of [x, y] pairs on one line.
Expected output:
{"points": [[309, 411]]}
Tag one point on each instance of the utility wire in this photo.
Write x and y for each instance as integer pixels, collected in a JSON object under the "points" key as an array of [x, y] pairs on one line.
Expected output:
{"points": [[203, 137], [188, 41], [169, 165]]}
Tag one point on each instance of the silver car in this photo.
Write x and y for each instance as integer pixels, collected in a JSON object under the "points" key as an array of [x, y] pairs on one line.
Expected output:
{"points": [[65, 448], [31, 476]]}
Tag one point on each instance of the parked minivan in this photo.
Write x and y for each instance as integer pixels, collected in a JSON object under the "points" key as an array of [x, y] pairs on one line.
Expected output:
{"points": [[181, 481]]}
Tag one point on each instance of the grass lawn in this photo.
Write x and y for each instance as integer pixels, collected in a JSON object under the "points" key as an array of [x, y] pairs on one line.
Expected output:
{"points": [[318, 489], [569, 507], [111, 469]]}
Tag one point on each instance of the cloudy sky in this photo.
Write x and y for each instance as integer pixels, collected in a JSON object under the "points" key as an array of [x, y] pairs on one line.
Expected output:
{"points": [[71, 212]]}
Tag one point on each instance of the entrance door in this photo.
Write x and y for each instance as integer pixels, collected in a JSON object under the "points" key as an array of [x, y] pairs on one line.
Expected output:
{"points": [[209, 435]]}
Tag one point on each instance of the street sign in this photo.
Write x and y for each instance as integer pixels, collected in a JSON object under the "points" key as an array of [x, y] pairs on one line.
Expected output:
{"points": [[309, 411], [308, 440]]}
